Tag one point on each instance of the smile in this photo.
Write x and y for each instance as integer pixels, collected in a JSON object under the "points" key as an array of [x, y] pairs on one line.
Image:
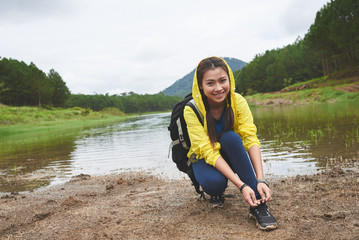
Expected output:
{"points": [[220, 94]]}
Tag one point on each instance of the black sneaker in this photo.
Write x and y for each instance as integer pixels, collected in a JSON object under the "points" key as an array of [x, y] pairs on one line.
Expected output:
{"points": [[264, 218], [216, 201]]}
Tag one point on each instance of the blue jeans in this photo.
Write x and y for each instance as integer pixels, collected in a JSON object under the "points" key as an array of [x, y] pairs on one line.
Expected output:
{"points": [[232, 150]]}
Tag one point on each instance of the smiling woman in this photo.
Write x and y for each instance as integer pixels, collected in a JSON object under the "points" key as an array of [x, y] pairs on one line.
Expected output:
{"points": [[219, 147]]}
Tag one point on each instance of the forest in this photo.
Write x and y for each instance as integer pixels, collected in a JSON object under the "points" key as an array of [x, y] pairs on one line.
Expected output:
{"points": [[22, 84], [126, 102], [27, 85], [330, 45]]}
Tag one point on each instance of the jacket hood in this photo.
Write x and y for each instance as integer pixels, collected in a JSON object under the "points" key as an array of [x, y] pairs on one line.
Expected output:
{"points": [[197, 96]]}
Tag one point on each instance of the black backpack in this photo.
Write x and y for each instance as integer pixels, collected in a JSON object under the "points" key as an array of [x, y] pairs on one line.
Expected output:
{"points": [[180, 140]]}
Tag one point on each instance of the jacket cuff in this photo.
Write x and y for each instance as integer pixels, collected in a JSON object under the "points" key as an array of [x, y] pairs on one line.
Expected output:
{"points": [[213, 159]]}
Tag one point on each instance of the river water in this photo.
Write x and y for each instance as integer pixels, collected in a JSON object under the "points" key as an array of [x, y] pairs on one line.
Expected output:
{"points": [[295, 140]]}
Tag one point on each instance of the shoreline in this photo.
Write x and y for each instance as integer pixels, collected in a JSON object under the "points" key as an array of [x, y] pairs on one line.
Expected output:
{"points": [[32, 120], [141, 206], [312, 91], [46, 179], [33, 132]]}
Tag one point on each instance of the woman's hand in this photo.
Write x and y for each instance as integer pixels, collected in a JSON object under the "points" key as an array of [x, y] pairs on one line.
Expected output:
{"points": [[264, 191], [250, 197]]}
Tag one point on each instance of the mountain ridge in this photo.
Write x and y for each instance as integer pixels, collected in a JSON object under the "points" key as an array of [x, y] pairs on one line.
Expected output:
{"points": [[183, 86]]}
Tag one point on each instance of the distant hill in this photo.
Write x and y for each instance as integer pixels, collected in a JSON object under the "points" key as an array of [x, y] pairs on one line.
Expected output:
{"points": [[183, 86]]}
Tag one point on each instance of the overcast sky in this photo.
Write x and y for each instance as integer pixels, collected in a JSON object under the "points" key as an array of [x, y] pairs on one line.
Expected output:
{"points": [[144, 46]]}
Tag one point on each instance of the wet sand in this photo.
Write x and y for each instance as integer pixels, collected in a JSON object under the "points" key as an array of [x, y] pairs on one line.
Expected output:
{"points": [[140, 206]]}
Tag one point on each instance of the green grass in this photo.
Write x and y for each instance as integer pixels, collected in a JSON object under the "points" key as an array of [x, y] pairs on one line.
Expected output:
{"points": [[315, 90], [28, 127], [21, 115], [25, 120]]}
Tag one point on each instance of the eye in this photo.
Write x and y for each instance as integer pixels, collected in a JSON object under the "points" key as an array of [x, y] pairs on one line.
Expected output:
{"points": [[223, 80]]}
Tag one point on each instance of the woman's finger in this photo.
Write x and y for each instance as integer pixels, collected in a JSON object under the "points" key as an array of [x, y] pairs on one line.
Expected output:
{"points": [[254, 199], [263, 195], [248, 195], [268, 194]]}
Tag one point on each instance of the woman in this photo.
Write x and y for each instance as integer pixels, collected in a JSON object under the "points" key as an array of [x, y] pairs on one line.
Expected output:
{"points": [[219, 148]]}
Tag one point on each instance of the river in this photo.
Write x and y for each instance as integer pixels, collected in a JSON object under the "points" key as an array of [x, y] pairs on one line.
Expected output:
{"points": [[295, 140]]}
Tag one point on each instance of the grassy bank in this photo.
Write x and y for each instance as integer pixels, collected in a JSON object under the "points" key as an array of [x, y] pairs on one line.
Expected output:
{"points": [[22, 122], [315, 90], [23, 128], [26, 119], [28, 115]]}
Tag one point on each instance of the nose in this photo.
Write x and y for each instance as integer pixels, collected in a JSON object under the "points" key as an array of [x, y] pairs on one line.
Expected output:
{"points": [[217, 86]]}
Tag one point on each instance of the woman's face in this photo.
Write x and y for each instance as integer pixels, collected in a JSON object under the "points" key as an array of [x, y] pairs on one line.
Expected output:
{"points": [[215, 85]]}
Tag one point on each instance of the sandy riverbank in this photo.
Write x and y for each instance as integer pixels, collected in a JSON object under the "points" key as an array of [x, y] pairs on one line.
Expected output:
{"points": [[139, 206]]}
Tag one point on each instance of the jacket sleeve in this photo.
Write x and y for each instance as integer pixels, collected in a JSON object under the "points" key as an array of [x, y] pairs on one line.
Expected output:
{"points": [[245, 128], [200, 143]]}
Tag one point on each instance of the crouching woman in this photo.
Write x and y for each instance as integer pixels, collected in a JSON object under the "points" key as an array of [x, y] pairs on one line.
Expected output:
{"points": [[219, 147]]}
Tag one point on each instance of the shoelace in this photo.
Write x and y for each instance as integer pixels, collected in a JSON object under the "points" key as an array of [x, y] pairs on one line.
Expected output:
{"points": [[262, 210], [215, 197]]}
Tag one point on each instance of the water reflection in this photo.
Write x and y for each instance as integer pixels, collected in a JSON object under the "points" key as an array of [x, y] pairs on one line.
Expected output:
{"points": [[311, 136], [295, 140], [139, 144], [23, 170]]}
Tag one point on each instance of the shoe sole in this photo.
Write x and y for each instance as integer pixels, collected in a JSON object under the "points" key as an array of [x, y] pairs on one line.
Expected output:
{"points": [[216, 206], [267, 228]]}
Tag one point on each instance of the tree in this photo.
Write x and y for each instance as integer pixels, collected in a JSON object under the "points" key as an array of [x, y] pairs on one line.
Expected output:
{"points": [[41, 87], [331, 44], [335, 35], [60, 91]]}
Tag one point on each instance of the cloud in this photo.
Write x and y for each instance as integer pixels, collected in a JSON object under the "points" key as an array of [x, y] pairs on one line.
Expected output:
{"points": [[143, 46], [17, 11], [298, 17]]}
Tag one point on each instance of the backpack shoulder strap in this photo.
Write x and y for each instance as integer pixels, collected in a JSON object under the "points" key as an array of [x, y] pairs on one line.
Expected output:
{"points": [[193, 105]]}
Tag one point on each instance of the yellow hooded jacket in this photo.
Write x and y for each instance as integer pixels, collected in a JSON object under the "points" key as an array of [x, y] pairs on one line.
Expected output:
{"points": [[201, 146]]}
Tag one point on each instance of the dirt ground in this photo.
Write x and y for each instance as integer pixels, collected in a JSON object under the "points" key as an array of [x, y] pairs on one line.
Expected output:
{"points": [[140, 206]]}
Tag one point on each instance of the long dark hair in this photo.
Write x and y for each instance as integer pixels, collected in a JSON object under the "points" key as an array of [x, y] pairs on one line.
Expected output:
{"points": [[205, 65]]}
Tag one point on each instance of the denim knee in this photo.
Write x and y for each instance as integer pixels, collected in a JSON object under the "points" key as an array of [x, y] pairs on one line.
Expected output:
{"points": [[230, 140], [214, 184], [211, 180]]}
